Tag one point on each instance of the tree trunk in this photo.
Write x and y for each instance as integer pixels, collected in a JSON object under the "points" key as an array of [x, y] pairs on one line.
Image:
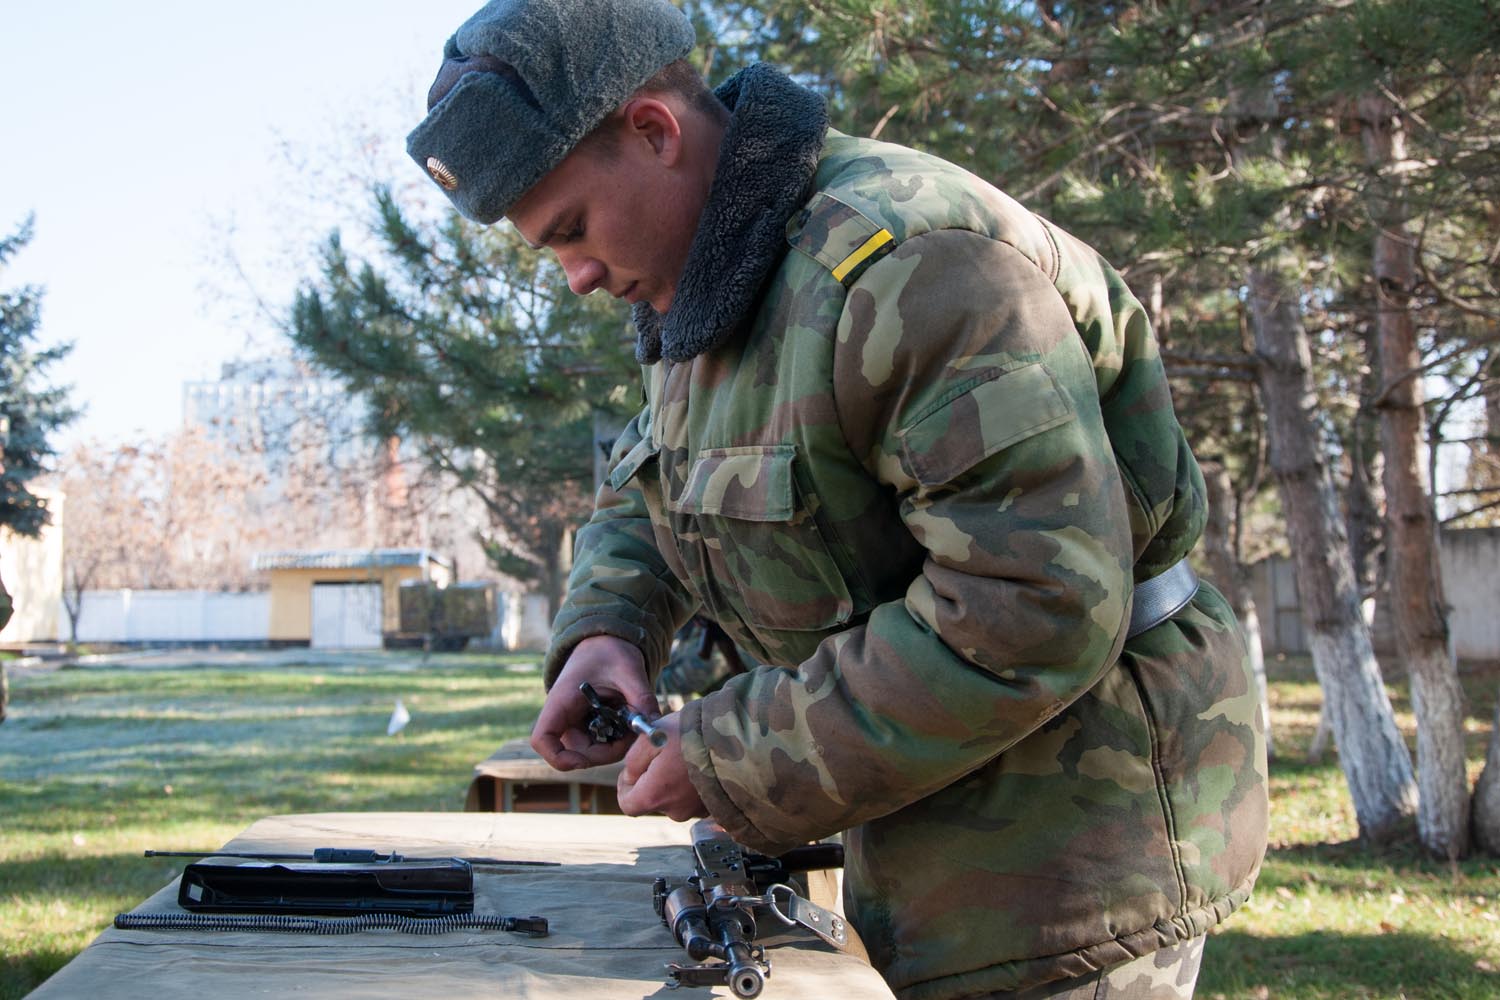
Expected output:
{"points": [[1413, 572], [1371, 752], [1228, 572], [1362, 506], [1375, 762], [554, 576], [73, 604], [1490, 463]]}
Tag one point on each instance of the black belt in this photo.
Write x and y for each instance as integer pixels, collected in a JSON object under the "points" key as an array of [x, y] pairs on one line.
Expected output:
{"points": [[1161, 597]]}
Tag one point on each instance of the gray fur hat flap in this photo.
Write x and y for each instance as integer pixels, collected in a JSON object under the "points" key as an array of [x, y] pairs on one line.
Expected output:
{"points": [[563, 66]]}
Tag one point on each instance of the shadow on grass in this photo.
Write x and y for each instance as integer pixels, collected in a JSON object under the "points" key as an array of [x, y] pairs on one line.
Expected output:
{"points": [[1324, 964], [93, 887], [54, 875], [1353, 870], [1404, 852], [20, 974]]}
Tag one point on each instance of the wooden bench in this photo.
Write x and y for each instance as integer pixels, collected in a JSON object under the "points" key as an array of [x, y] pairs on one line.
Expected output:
{"points": [[515, 779]]}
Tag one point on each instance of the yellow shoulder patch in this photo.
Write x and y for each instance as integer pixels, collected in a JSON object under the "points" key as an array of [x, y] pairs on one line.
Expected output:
{"points": [[866, 250], [839, 237]]}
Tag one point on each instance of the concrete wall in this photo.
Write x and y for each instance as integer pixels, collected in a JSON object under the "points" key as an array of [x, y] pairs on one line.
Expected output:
{"points": [[1273, 584], [1471, 586], [205, 616], [170, 616]]}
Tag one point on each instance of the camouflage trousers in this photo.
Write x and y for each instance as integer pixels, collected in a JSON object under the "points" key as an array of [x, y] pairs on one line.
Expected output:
{"points": [[1166, 974]]}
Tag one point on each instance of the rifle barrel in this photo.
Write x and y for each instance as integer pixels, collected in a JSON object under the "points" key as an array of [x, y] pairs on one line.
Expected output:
{"points": [[340, 855]]}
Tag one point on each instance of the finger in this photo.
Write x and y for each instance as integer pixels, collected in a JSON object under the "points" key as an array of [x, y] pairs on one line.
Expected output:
{"points": [[548, 746], [552, 725], [644, 701], [552, 750], [639, 780], [560, 737], [627, 794], [580, 748], [625, 685], [630, 775], [682, 813], [638, 759], [571, 749]]}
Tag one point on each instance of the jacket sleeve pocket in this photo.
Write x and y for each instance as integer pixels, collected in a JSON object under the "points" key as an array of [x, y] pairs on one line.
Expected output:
{"points": [[975, 421]]}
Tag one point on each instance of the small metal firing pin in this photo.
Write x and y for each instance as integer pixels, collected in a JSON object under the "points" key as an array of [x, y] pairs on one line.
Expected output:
{"points": [[658, 737], [608, 724]]}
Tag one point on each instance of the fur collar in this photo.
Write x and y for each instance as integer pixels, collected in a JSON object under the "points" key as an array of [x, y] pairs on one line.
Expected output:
{"points": [[766, 164]]}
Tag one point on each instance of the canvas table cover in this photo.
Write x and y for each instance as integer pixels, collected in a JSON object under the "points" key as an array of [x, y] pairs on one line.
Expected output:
{"points": [[606, 941]]}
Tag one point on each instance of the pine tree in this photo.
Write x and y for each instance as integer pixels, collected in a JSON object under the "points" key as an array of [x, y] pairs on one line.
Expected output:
{"points": [[1407, 83], [1119, 122], [31, 410], [469, 346]]}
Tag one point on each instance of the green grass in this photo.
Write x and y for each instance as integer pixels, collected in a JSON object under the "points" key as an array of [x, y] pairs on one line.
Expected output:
{"points": [[1333, 920], [98, 764]]}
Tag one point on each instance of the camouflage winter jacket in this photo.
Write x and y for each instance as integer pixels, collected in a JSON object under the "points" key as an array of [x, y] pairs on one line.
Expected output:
{"points": [[910, 445]]}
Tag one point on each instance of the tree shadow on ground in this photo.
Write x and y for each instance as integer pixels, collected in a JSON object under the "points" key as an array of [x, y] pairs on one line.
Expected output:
{"points": [[1326, 964], [1402, 851], [19, 974], [72, 877]]}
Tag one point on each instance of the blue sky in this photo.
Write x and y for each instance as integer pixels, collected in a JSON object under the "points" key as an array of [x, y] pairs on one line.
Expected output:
{"points": [[182, 161]]}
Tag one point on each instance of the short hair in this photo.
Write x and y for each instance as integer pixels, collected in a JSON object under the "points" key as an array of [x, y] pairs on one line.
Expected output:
{"points": [[678, 78], [682, 78]]}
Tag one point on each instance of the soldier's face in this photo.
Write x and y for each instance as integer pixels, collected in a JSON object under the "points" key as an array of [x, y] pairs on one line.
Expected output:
{"points": [[619, 215]]}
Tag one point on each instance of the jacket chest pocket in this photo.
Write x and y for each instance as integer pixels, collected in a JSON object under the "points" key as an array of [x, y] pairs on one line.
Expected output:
{"points": [[762, 555]]}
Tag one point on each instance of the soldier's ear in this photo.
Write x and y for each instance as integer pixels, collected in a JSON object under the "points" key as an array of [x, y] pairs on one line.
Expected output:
{"points": [[650, 121]]}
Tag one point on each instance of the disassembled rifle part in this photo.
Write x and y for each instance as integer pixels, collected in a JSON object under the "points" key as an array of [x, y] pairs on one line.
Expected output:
{"points": [[330, 891], [289, 924], [345, 856], [408, 888], [713, 914], [608, 724]]}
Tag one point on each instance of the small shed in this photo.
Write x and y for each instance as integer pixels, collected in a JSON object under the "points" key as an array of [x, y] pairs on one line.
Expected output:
{"points": [[343, 598]]}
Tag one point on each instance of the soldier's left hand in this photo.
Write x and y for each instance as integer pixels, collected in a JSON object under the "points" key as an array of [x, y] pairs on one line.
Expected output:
{"points": [[655, 780]]}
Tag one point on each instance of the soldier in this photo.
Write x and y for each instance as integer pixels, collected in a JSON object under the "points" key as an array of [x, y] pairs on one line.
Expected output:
{"points": [[702, 658], [912, 448]]}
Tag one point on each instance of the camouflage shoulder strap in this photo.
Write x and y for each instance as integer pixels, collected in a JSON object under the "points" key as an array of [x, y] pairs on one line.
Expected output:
{"points": [[838, 237]]}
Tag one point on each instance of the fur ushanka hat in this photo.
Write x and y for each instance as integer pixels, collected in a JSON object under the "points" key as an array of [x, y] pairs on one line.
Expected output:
{"points": [[547, 72]]}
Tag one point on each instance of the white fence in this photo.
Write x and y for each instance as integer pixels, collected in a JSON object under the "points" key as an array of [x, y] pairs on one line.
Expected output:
{"points": [[171, 616], [1471, 587], [206, 616]]}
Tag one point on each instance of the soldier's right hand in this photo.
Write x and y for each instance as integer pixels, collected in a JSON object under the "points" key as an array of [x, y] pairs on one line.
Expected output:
{"points": [[617, 672]]}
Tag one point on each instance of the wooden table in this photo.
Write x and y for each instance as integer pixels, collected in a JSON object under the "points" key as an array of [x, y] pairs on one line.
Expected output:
{"points": [[606, 942], [516, 779]]}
